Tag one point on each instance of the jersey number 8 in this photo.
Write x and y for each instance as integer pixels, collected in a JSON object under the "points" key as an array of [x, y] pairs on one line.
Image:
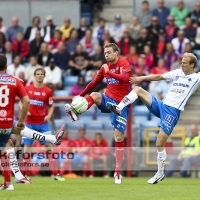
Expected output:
{"points": [[4, 100]]}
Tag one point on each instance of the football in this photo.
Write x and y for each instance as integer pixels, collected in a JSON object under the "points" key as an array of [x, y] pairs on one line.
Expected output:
{"points": [[80, 104]]}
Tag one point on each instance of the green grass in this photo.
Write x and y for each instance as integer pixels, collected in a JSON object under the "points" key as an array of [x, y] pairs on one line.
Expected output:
{"points": [[45, 188]]}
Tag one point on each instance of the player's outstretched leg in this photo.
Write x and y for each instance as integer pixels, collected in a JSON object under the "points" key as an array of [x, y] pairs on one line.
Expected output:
{"points": [[160, 144], [35, 135], [94, 98]]}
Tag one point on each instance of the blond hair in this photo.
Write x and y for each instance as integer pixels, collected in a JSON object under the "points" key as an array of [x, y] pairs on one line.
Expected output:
{"points": [[192, 57]]}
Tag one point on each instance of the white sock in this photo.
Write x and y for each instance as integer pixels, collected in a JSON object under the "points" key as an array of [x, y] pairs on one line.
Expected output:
{"points": [[128, 99], [35, 135], [14, 164], [161, 158]]}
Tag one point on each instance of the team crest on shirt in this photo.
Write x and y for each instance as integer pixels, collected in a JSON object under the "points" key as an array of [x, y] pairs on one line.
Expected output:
{"points": [[112, 70], [176, 78], [43, 93], [3, 113]]}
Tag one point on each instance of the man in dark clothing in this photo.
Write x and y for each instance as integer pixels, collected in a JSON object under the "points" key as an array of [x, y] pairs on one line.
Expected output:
{"points": [[195, 15], [35, 44]]}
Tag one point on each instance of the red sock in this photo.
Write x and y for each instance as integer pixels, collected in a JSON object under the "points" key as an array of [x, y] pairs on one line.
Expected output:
{"points": [[92, 173], [69, 167], [26, 166], [6, 169], [54, 166], [90, 101], [85, 168], [119, 153], [62, 170], [104, 172]]}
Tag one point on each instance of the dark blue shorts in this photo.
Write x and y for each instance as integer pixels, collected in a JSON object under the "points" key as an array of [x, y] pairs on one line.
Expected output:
{"points": [[4, 137], [119, 122], [168, 115], [42, 128]]}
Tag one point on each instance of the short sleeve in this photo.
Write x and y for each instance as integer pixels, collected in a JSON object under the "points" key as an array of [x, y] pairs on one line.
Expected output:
{"points": [[50, 98], [170, 75], [21, 92]]}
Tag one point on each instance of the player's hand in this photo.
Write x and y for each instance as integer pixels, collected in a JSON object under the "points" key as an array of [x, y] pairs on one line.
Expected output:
{"points": [[20, 125], [105, 66], [47, 118], [135, 80]]}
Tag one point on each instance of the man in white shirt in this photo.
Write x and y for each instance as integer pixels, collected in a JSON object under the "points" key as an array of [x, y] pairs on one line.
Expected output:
{"points": [[179, 42], [53, 78], [185, 83], [16, 68]]}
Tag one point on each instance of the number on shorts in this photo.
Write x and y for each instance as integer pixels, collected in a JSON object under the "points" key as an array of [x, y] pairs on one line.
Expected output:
{"points": [[4, 100]]}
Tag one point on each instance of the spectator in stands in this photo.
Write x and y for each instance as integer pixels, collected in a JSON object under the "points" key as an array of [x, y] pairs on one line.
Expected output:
{"points": [[187, 157], [66, 147], [144, 15], [125, 43], [79, 62], [132, 57], [66, 29], [62, 57], [53, 43], [29, 71], [9, 53], [145, 40], [97, 60], [197, 39], [116, 30], [135, 28], [31, 30], [148, 57], [24, 83], [188, 48], [190, 30], [36, 44], [98, 152], [16, 67], [53, 78], [180, 13], [179, 42], [98, 31], [171, 29], [72, 42], [78, 87], [161, 43], [2, 28], [89, 43], [161, 12], [21, 46], [154, 28], [160, 69], [177, 64], [2, 42], [44, 55], [48, 30], [11, 32], [82, 145], [107, 39], [195, 15], [169, 56], [163, 88], [82, 28]]}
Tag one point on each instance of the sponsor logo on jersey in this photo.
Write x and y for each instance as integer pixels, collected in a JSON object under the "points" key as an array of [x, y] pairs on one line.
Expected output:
{"points": [[3, 113], [112, 81], [37, 93], [8, 80], [181, 84], [36, 102], [112, 70], [43, 93], [30, 92], [178, 91]]}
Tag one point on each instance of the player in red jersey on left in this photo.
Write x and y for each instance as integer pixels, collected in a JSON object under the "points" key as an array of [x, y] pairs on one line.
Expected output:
{"points": [[117, 72], [9, 88], [38, 117]]}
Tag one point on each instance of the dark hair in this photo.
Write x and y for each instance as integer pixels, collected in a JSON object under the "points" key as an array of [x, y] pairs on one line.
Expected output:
{"points": [[40, 69], [89, 29], [98, 134], [3, 36], [36, 17], [71, 31], [101, 19], [1, 19], [3, 62], [145, 2], [113, 45]]}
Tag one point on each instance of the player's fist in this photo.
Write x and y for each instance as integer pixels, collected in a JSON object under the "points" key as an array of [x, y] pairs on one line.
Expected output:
{"points": [[135, 80], [20, 125], [106, 68], [46, 119]]}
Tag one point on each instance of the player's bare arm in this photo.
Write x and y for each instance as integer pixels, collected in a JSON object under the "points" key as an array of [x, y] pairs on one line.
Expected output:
{"points": [[137, 80], [50, 112]]}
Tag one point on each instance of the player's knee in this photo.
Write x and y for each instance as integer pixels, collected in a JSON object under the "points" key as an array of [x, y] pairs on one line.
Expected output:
{"points": [[96, 96], [137, 89]]}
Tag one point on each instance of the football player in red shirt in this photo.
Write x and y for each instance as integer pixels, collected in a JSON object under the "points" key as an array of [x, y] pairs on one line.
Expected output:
{"points": [[38, 117], [117, 72], [98, 151], [9, 88]]}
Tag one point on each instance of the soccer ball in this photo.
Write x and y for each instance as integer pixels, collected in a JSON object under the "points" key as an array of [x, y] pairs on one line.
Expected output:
{"points": [[80, 104]]}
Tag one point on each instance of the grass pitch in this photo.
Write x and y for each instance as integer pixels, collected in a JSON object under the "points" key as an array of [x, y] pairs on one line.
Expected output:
{"points": [[45, 188]]}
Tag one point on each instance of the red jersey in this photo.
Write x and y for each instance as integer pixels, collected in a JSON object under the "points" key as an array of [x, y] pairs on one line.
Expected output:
{"points": [[9, 88], [40, 98], [159, 70], [65, 146], [82, 143]]}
